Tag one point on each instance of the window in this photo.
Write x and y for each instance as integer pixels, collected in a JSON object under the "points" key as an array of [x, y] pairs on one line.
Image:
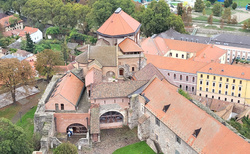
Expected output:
{"points": [[232, 87], [239, 88], [227, 79], [133, 69], [239, 95], [168, 74], [201, 76], [212, 90], [180, 86], [207, 89], [207, 83], [174, 76], [214, 84], [238, 101], [200, 88], [233, 80], [214, 77], [177, 55], [186, 88], [56, 106], [170, 54], [219, 91], [207, 76], [232, 100], [178, 139], [182, 56], [213, 96], [157, 121], [218, 98], [200, 82], [226, 86], [232, 93], [200, 94], [186, 78], [180, 77], [206, 96], [240, 82], [225, 92], [220, 85], [121, 71], [220, 78], [62, 106], [193, 79], [225, 99], [192, 89]]}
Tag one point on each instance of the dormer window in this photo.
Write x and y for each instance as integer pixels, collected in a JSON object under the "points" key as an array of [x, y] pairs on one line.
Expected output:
{"points": [[165, 108], [196, 132]]}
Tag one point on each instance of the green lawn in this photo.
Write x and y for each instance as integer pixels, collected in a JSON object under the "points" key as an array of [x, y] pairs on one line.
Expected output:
{"points": [[27, 122], [242, 3], [137, 148], [55, 47], [9, 111], [204, 18]]}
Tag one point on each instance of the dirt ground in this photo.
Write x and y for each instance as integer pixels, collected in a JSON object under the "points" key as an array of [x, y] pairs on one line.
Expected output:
{"points": [[112, 139]]}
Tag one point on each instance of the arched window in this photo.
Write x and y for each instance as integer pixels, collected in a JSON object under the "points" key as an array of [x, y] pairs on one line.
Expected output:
{"points": [[111, 117], [180, 77], [121, 71]]}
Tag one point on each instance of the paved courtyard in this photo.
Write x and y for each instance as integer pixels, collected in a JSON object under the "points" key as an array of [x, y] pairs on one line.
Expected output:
{"points": [[112, 139]]}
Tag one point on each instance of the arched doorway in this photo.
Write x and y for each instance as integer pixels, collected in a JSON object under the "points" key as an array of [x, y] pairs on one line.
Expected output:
{"points": [[111, 119], [110, 74], [77, 128]]}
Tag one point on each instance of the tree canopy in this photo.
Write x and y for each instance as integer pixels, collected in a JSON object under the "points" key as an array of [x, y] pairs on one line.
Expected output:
{"points": [[46, 62], [13, 73], [217, 9], [176, 23], [199, 6], [13, 139], [66, 148]]}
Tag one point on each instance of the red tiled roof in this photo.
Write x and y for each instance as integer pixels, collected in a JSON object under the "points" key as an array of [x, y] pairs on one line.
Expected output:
{"points": [[210, 53], [5, 21], [227, 70], [119, 23], [128, 45], [175, 64], [154, 46], [29, 30], [183, 118], [184, 46], [69, 88], [12, 32]]}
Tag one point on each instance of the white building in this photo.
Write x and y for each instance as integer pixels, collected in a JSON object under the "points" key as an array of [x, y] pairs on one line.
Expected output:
{"points": [[35, 34]]}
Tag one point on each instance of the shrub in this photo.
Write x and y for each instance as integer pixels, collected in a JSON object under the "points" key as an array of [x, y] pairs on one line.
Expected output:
{"points": [[217, 9], [185, 94], [207, 4], [66, 148], [234, 5]]}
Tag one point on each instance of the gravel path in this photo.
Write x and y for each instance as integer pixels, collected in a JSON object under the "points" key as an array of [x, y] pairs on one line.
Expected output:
{"points": [[112, 139]]}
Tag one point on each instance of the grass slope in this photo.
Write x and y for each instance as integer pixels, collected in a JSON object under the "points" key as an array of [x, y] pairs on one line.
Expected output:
{"points": [[9, 111], [55, 47], [27, 122], [137, 148]]}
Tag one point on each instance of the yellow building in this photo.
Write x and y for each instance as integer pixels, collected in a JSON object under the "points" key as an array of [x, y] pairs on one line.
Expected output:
{"points": [[224, 82]]}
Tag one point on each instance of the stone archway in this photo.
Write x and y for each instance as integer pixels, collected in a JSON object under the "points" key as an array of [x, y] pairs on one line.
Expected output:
{"points": [[111, 119], [77, 128]]}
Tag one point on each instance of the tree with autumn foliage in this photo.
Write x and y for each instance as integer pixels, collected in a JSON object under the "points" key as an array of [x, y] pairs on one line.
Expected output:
{"points": [[46, 62], [14, 73]]}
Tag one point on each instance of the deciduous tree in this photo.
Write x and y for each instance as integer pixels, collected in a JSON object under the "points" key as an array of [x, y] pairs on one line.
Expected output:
{"points": [[176, 23], [14, 73], [179, 9], [46, 62], [217, 9], [227, 15], [13, 139], [234, 6], [199, 6], [246, 24], [66, 148], [210, 19], [226, 3]]}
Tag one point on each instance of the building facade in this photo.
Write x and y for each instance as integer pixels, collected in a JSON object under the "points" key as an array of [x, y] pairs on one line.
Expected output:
{"points": [[224, 82]]}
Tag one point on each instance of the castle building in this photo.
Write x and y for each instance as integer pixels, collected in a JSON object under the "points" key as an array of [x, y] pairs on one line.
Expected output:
{"points": [[5, 22]]}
